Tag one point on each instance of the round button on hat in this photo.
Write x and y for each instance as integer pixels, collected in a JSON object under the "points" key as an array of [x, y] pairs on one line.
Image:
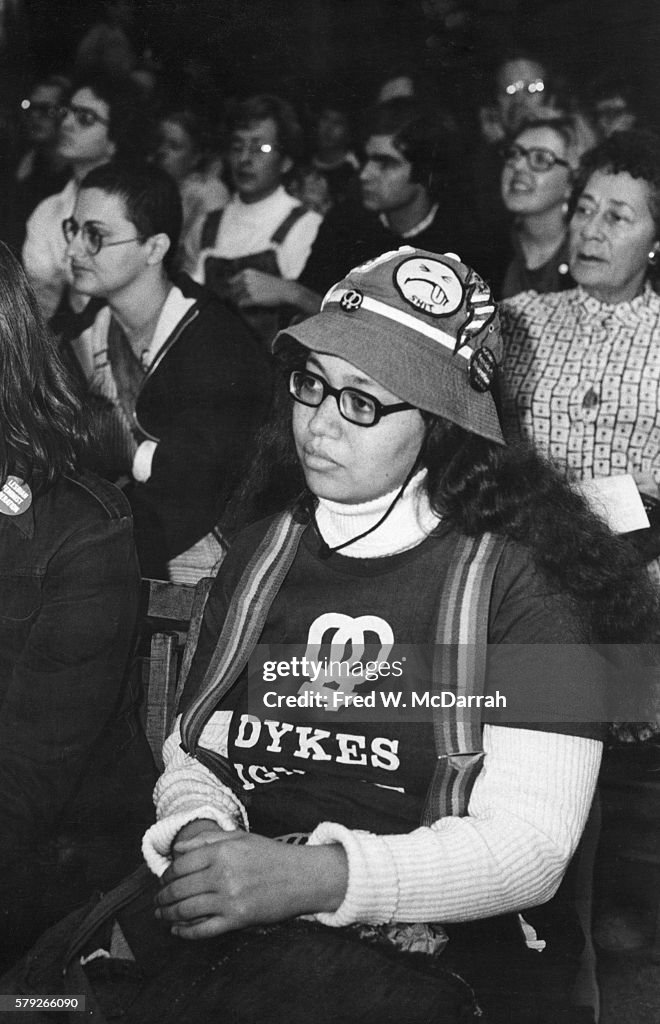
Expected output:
{"points": [[422, 324]]}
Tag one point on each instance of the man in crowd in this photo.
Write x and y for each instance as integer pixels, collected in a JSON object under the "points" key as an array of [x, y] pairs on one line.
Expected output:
{"points": [[262, 227], [408, 195], [103, 120], [181, 383], [40, 171]]}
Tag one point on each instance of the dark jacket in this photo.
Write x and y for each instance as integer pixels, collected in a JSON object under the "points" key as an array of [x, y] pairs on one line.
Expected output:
{"points": [[74, 766], [349, 235], [202, 399]]}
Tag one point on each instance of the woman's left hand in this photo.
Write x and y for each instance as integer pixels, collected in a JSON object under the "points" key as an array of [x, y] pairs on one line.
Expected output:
{"points": [[235, 879]]}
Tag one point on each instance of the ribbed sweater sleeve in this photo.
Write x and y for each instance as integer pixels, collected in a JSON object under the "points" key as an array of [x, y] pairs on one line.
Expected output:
{"points": [[526, 813], [187, 791]]}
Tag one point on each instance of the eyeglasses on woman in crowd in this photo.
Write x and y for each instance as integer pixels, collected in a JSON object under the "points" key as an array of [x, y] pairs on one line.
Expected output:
{"points": [[354, 405], [85, 117], [92, 238], [537, 157]]}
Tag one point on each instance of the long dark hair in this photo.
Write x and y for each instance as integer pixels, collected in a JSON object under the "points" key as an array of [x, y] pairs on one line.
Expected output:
{"points": [[478, 486], [41, 421]]}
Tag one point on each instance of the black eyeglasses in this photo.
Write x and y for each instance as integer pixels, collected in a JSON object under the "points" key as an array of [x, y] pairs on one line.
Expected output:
{"points": [[92, 238], [354, 405], [85, 116], [538, 158]]}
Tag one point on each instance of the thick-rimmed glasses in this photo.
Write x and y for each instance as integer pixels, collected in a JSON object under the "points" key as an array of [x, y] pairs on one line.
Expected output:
{"points": [[92, 239], [85, 117], [537, 157], [354, 405]]}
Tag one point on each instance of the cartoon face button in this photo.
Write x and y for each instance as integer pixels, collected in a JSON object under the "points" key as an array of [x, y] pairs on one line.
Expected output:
{"points": [[429, 285]]}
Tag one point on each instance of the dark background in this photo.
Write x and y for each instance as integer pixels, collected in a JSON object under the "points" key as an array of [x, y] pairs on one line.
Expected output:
{"points": [[296, 46]]}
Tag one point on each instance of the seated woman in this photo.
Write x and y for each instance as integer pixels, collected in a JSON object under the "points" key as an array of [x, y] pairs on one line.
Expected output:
{"points": [[423, 832], [179, 381], [581, 371], [539, 161], [75, 769]]}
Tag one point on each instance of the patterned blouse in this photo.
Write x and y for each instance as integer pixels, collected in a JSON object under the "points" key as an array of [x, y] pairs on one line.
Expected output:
{"points": [[582, 380]]}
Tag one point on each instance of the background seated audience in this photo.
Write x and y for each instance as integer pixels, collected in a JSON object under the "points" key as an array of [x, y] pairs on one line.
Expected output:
{"points": [[263, 230], [614, 101], [523, 89], [185, 152], [104, 118], [330, 175], [40, 170], [408, 193]]}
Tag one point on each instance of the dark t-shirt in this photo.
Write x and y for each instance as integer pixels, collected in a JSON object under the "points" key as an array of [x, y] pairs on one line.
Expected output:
{"points": [[349, 235], [299, 769]]}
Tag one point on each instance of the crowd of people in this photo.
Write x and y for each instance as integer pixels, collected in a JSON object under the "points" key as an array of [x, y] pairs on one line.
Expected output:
{"points": [[357, 363]]}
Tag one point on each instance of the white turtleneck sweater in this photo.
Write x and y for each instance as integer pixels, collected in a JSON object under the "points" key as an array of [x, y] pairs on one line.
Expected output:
{"points": [[409, 522], [526, 813]]}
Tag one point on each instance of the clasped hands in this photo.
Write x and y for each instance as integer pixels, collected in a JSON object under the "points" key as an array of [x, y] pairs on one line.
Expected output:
{"points": [[221, 881], [252, 287]]}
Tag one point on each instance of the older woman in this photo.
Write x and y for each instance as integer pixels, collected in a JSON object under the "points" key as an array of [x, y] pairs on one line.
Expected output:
{"points": [[539, 161], [75, 769], [394, 821], [581, 373]]}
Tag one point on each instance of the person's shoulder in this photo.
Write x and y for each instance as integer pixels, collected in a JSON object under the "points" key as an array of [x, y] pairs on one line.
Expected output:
{"points": [[87, 493], [295, 215], [53, 205], [95, 316], [213, 324], [248, 538], [207, 305], [191, 289], [532, 298], [207, 190], [308, 218], [527, 607], [650, 299], [533, 305], [244, 547]]}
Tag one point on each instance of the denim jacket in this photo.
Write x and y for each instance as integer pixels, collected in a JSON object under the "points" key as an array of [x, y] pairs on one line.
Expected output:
{"points": [[69, 587]]}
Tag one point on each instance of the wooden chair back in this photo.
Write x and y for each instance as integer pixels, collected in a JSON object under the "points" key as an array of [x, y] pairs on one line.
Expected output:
{"points": [[171, 620]]}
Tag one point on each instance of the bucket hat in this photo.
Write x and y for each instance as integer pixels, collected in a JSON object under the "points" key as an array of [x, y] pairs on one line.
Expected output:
{"points": [[421, 324]]}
